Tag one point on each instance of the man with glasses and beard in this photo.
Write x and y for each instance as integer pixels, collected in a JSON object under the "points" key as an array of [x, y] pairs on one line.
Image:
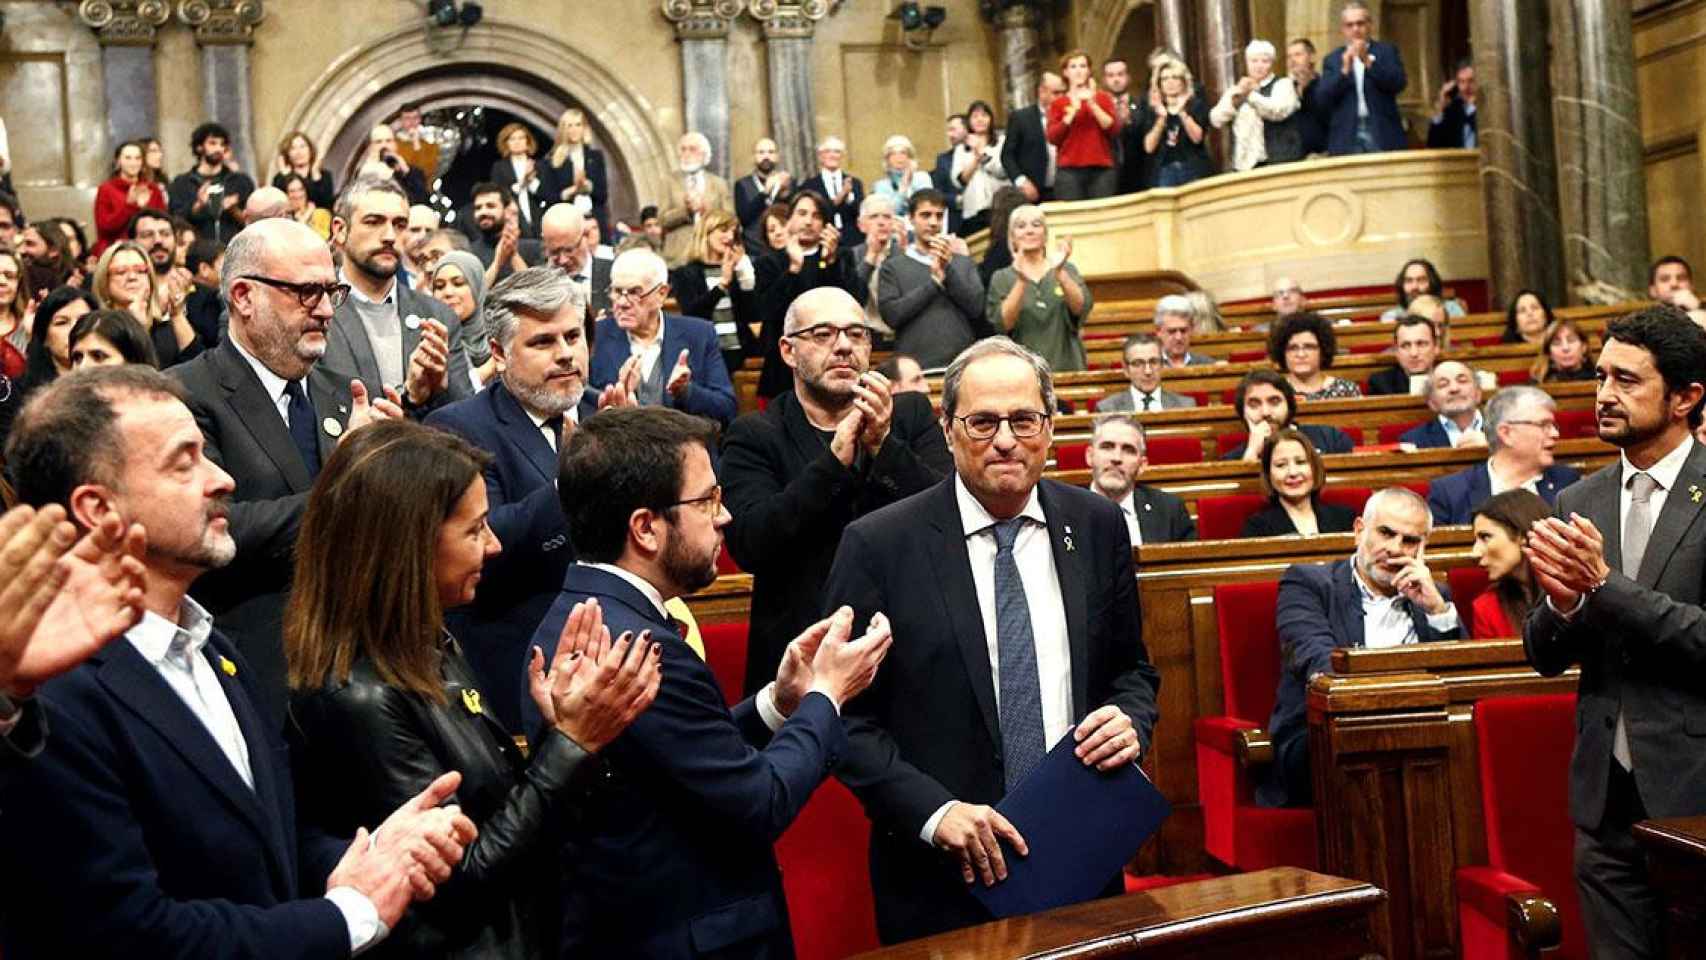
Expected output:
{"points": [[271, 412], [564, 233], [657, 358], [210, 195], [815, 459], [813, 257]]}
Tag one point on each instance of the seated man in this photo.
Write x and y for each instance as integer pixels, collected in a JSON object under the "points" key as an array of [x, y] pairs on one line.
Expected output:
{"points": [[1268, 403], [1174, 321], [1289, 297], [904, 375], [1522, 429], [1384, 596], [1116, 459], [1454, 395], [1671, 280], [1142, 365], [1416, 348]]}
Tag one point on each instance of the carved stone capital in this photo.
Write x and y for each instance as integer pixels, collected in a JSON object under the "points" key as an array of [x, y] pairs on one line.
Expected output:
{"points": [[789, 18], [222, 21], [128, 23], [701, 19]]}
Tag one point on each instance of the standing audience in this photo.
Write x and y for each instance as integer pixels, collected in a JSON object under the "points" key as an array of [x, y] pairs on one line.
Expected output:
{"points": [[977, 173], [1359, 88], [211, 194], [902, 178], [297, 155], [1041, 301], [124, 194], [931, 296], [1084, 128], [577, 171], [110, 338], [1259, 99], [1178, 123]]}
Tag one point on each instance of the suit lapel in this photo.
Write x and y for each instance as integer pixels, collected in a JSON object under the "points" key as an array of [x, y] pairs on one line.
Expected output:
{"points": [[952, 565], [518, 428], [1349, 599], [267, 787], [1680, 511], [347, 327], [1070, 573], [331, 403], [1603, 505], [259, 414]]}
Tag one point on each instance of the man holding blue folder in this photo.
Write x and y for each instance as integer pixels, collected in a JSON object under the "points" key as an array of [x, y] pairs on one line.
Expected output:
{"points": [[1013, 603]]}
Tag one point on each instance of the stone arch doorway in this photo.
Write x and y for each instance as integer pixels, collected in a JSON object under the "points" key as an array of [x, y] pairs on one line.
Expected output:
{"points": [[503, 64]]}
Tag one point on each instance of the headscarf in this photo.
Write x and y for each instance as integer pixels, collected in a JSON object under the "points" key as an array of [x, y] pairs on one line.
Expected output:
{"points": [[474, 340]]}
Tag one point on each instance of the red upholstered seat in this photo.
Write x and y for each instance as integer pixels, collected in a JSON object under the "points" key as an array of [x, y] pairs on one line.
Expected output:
{"points": [[1574, 424], [1490, 340], [725, 654], [1247, 356], [1200, 397], [1222, 518], [1071, 456], [1466, 584], [1236, 831], [1163, 450], [1392, 431], [1523, 746], [1512, 377], [826, 875]]}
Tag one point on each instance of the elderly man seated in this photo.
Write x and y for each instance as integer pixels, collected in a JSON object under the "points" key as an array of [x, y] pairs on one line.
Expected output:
{"points": [[1454, 395], [1382, 596], [1116, 457], [1522, 429], [1175, 318]]}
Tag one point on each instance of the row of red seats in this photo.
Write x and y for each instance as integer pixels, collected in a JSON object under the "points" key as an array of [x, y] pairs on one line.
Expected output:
{"points": [[1506, 378]]}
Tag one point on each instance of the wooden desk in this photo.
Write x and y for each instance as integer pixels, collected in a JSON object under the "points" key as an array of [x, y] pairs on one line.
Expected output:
{"points": [[1274, 914], [1676, 854]]}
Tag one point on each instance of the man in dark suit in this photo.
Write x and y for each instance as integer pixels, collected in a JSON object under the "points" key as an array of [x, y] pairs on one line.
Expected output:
{"points": [[562, 232], [163, 797], [658, 358], [1384, 596], [1026, 153], [814, 257], [1522, 429], [1116, 458], [755, 192], [537, 322], [843, 191], [1359, 88], [1310, 119], [1268, 403], [942, 174], [1141, 356], [674, 856], [993, 572], [795, 474], [1454, 123], [1622, 568], [1454, 396], [1417, 350], [385, 333], [271, 412]]}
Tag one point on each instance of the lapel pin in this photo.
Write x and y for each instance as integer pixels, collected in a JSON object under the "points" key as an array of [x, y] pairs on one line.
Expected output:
{"points": [[1068, 538], [1694, 493], [1148, 507], [332, 427], [226, 665], [471, 701], [412, 321]]}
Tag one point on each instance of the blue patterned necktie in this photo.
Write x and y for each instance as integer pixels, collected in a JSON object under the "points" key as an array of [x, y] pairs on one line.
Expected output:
{"points": [[1021, 707]]}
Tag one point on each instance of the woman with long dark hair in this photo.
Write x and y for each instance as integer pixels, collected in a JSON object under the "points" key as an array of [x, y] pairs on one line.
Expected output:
{"points": [[1526, 318], [1501, 525], [977, 170], [126, 193]]}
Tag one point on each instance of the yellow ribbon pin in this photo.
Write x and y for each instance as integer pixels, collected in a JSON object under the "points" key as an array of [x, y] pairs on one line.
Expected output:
{"points": [[1694, 493], [471, 700], [227, 666]]}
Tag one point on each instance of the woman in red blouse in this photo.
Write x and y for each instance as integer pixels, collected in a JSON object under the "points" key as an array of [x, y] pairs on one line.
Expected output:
{"points": [[1502, 523], [121, 197], [1082, 124]]}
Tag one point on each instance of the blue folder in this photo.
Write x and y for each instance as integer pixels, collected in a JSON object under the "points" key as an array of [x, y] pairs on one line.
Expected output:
{"points": [[1082, 827]]}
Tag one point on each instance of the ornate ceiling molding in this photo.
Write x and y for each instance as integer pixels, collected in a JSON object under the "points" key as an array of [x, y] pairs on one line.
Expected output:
{"points": [[222, 21], [789, 18], [702, 19], [125, 23]]}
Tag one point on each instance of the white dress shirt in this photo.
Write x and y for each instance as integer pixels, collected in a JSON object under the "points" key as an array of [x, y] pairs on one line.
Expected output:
{"points": [[1386, 621], [1137, 399], [1496, 486], [647, 350], [1128, 506], [1358, 70], [573, 415], [1454, 433], [1035, 559], [271, 382]]}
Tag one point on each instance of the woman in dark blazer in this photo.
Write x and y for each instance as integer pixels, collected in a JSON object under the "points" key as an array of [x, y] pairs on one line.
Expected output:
{"points": [[718, 283], [382, 699], [1292, 477], [575, 170], [519, 171]]}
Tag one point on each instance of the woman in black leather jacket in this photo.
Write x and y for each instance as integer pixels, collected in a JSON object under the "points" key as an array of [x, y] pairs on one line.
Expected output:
{"points": [[383, 701]]}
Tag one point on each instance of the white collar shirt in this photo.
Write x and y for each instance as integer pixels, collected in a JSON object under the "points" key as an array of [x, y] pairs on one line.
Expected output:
{"points": [[572, 415], [648, 351], [1128, 506], [638, 582], [1454, 433], [174, 650], [272, 383], [1138, 400]]}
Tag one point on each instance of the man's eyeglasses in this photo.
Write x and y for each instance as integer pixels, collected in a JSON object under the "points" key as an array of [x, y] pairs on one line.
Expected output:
{"points": [[824, 334], [984, 426], [633, 293], [1145, 364], [307, 294], [709, 504], [1546, 426]]}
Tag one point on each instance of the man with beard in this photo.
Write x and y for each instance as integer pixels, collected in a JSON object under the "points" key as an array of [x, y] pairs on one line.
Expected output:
{"points": [[932, 297], [163, 796], [1268, 403], [1522, 429], [1454, 395], [1310, 119], [657, 358], [755, 194], [563, 232], [1621, 565], [1383, 596], [692, 192], [494, 235], [388, 335], [153, 230], [795, 474], [1128, 146], [1116, 457], [674, 857], [537, 323], [210, 195], [812, 258], [271, 412]]}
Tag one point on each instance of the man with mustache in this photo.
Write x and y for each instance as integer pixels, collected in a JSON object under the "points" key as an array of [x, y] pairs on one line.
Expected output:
{"points": [[537, 323], [392, 337], [494, 233], [754, 194], [271, 411], [154, 231], [1383, 596], [211, 194]]}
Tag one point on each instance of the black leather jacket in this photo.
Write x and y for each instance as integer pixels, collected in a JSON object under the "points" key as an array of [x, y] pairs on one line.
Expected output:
{"points": [[361, 749]]}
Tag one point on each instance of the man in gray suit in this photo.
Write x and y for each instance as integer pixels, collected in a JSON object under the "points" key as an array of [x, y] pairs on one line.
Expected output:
{"points": [[385, 333], [1142, 365], [1623, 565], [931, 296]]}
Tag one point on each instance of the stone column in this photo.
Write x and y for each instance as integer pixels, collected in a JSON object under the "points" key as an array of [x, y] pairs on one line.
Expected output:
{"points": [[1225, 29], [224, 30], [788, 29], [1602, 193], [126, 30], [702, 27], [1018, 27], [1519, 178], [1173, 28]]}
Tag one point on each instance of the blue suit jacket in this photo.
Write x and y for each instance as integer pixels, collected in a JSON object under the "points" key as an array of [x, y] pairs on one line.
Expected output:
{"points": [[132, 835], [518, 585], [1428, 436], [1337, 95], [675, 859], [711, 394], [1319, 610], [1453, 499]]}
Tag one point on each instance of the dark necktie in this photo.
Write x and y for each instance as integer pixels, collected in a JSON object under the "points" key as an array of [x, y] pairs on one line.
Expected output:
{"points": [[1637, 530], [302, 427], [1021, 709], [555, 426], [1148, 401]]}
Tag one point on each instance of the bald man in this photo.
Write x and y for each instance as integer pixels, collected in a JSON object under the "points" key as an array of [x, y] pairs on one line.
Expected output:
{"points": [[818, 457], [1454, 396], [265, 204], [382, 148], [271, 414], [767, 184], [563, 235]]}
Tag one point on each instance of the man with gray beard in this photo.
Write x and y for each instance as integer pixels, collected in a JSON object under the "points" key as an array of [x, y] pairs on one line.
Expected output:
{"points": [[820, 456]]}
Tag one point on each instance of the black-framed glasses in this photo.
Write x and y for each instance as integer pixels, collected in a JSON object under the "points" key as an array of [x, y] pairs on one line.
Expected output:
{"points": [[984, 426], [824, 334], [307, 294], [633, 293], [709, 504]]}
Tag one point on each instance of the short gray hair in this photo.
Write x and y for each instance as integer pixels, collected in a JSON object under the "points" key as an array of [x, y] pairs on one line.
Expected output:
{"points": [[1258, 48], [648, 261], [1505, 403], [537, 290], [344, 209], [1175, 303], [1411, 498], [991, 346], [878, 203], [1130, 420], [243, 256]]}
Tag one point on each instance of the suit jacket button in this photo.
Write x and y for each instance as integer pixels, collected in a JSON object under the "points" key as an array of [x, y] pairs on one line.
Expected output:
{"points": [[1610, 723]]}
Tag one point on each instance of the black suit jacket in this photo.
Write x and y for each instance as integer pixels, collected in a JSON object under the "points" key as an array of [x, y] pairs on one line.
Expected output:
{"points": [[1025, 151], [1391, 382], [1161, 516], [246, 436], [1640, 642], [777, 288], [558, 179], [846, 217], [751, 201], [791, 498], [132, 835], [926, 731], [943, 179], [696, 299], [1448, 132], [1273, 521], [531, 203]]}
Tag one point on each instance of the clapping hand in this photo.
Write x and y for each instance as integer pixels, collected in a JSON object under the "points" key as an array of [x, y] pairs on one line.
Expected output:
{"points": [[429, 364], [363, 412], [681, 376], [871, 397], [831, 242], [411, 853], [594, 688], [1062, 253], [1567, 557]]}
